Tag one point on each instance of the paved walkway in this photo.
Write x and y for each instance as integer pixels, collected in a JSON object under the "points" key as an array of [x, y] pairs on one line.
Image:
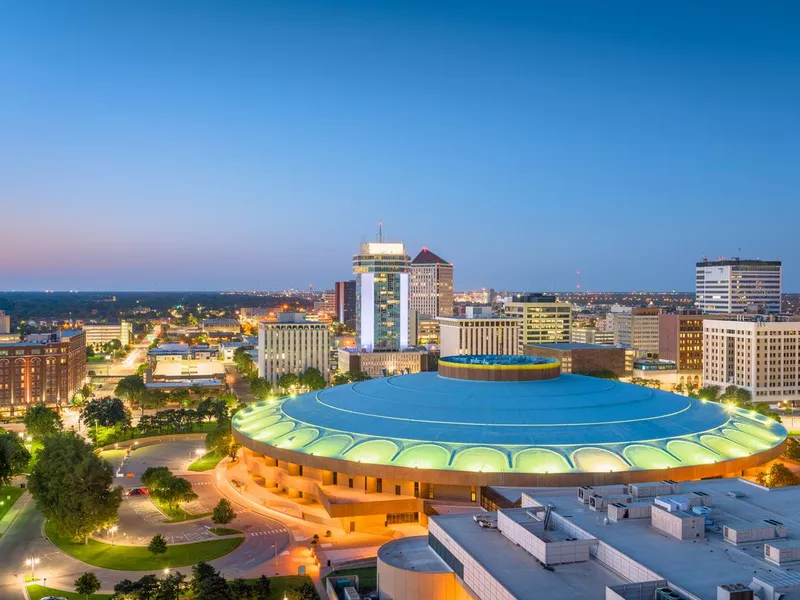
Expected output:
{"points": [[11, 516]]}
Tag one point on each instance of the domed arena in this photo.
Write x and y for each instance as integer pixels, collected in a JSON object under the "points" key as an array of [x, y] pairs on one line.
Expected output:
{"points": [[489, 420]]}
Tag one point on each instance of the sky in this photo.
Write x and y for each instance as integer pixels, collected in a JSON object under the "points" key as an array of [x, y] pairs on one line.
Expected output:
{"points": [[197, 145]]}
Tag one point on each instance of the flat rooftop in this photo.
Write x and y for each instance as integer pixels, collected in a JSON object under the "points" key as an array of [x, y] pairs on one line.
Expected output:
{"points": [[697, 566], [519, 572], [574, 346], [412, 553]]}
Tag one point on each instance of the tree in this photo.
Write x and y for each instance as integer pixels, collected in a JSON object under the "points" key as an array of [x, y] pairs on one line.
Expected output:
{"points": [[242, 590], [214, 588], [106, 412], [87, 584], [154, 476], [200, 572], [312, 379], [72, 487], [778, 476], [288, 381], [157, 545], [132, 389], [305, 591], [263, 587], [14, 456], [175, 490], [171, 587], [89, 352], [604, 374], [260, 387], [223, 512], [709, 393], [42, 422], [243, 360], [792, 449], [221, 440]]}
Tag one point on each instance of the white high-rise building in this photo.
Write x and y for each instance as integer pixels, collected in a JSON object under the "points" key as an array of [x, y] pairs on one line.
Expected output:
{"points": [[753, 353], [479, 332], [636, 328], [292, 345], [99, 334], [382, 271], [738, 286], [431, 285]]}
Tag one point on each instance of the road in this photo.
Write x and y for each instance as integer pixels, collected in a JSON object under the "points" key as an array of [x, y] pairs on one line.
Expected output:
{"points": [[266, 537]]}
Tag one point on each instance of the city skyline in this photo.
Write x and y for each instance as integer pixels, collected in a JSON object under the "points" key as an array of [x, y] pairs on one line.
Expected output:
{"points": [[159, 146]]}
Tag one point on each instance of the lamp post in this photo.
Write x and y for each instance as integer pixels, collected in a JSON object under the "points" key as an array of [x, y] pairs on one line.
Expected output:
{"points": [[32, 562], [112, 530]]}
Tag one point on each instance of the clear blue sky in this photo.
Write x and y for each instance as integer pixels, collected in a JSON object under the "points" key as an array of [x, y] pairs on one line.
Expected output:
{"points": [[253, 145]]}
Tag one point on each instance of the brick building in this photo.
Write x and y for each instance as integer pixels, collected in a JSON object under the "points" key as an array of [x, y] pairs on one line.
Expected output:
{"points": [[48, 369], [584, 358]]}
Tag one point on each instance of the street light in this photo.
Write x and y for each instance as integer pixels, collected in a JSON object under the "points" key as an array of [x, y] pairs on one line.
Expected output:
{"points": [[32, 562], [199, 452], [166, 571], [112, 530]]}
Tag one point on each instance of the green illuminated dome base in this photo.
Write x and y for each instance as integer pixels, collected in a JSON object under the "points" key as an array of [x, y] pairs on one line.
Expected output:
{"points": [[559, 431]]}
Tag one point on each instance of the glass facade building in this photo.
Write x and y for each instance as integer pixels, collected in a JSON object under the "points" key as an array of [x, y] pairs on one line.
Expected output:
{"points": [[382, 285]]}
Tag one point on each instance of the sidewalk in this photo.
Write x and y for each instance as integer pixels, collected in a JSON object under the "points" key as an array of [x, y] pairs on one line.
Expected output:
{"points": [[9, 518]]}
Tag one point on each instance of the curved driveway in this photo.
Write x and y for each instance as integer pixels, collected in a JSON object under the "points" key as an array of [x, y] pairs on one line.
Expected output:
{"points": [[254, 557]]}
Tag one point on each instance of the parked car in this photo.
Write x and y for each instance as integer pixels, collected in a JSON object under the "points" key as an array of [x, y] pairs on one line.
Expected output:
{"points": [[142, 491]]}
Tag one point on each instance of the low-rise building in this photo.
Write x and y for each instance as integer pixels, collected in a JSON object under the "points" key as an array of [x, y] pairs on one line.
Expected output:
{"points": [[619, 545], [220, 326], [590, 334], [99, 334], [584, 358], [383, 364], [50, 369], [478, 332]]}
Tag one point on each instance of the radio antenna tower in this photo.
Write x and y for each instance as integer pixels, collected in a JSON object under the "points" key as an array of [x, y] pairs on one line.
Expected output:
{"points": [[578, 280], [380, 231]]}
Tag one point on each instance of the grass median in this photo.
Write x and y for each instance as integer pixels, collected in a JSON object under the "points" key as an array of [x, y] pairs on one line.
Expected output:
{"points": [[206, 462], [37, 592], [138, 558], [8, 496]]}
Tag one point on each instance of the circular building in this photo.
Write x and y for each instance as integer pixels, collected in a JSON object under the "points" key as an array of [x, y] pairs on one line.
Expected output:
{"points": [[489, 420]]}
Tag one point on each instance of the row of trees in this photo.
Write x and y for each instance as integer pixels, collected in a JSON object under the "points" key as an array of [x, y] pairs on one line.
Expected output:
{"points": [[206, 583], [735, 396], [309, 380]]}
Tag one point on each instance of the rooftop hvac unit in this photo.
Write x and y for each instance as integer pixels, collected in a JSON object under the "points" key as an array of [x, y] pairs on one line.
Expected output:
{"points": [[734, 591], [733, 494], [666, 593]]}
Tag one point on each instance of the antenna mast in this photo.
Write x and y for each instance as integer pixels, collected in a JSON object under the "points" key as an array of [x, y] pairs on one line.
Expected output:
{"points": [[380, 231]]}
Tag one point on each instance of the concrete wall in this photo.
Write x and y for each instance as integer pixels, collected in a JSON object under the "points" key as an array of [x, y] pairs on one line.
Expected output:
{"points": [[401, 584]]}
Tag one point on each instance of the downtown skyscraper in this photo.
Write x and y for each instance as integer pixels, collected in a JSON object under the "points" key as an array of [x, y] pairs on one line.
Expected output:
{"points": [[382, 271]]}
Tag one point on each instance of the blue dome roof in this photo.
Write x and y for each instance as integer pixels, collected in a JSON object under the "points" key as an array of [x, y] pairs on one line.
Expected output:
{"points": [[638, 426]]}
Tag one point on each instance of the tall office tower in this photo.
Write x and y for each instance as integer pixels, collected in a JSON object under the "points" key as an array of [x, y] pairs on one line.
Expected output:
{"points": [[738, 286], [636, 328], [292, 345], [5, 322], [431, 285], [344, 299], [544, 320], [382, 271]]}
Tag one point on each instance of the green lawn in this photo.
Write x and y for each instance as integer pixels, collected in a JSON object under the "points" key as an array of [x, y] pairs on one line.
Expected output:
{"points": [[224, 531], [367, 577], [5, 492], [206, 462], [137, 558], [177, 514], [37, 592], [280, 585]]}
